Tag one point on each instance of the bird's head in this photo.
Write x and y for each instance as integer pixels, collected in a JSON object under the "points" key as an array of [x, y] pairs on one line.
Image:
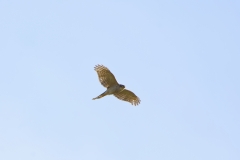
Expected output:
{"points": [[121, 86]]}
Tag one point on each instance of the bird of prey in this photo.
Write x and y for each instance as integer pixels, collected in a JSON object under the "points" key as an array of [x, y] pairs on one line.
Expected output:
{"points": [[108, 80]]}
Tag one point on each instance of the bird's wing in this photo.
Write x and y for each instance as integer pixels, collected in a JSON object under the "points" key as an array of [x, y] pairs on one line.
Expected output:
{"points": [[105, 77], [128, 96]]}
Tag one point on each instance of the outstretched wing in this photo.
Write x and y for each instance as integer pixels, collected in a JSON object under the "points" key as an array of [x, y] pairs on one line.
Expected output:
{"points": [[105, 77], [128, 96]]}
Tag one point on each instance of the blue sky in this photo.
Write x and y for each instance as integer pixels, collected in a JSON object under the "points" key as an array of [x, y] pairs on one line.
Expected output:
{"points": [[180, 57]]}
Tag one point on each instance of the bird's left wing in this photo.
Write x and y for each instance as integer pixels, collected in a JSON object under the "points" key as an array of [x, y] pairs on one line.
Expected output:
{"points": [[128, 96]]}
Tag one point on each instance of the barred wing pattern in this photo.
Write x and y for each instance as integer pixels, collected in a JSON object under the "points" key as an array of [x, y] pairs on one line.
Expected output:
{"points": [[105, 77], [128, 96]]}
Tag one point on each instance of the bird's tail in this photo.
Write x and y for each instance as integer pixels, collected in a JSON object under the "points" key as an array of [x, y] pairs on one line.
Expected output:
{"points": [[100, 96]]}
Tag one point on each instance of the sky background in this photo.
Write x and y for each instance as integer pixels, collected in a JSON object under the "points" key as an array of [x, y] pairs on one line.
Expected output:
{"points": [[182, 58]]}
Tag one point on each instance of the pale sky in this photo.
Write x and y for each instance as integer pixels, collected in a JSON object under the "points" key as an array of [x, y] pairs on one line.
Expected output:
{"points": [[182, 58]]}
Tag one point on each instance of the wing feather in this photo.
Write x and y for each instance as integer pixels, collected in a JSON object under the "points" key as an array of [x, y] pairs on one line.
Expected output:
{"points": [[105, 76], [128, 96]]}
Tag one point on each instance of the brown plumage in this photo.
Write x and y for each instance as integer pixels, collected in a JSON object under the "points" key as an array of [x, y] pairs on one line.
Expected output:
{"points": [[108, 80]]}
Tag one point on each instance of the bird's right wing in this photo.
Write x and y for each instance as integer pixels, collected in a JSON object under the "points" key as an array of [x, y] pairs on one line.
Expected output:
{"points": [[105, 77]]}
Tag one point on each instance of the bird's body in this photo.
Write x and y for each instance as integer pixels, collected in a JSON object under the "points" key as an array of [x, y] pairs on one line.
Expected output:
{"points": [[108, 80]]}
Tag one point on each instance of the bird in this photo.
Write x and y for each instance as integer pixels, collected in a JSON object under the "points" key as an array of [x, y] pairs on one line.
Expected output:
{"points": [[108, 80]]}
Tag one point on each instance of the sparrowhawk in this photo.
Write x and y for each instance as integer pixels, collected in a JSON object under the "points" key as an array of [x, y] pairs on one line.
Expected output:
{"points": [[108, 80]]}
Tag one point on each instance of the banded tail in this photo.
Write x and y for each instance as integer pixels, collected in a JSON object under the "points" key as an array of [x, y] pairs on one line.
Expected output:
{"points": [[100, 96]]}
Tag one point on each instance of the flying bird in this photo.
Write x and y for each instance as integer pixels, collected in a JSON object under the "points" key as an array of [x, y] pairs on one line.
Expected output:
{"points": [[108, 80]]}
